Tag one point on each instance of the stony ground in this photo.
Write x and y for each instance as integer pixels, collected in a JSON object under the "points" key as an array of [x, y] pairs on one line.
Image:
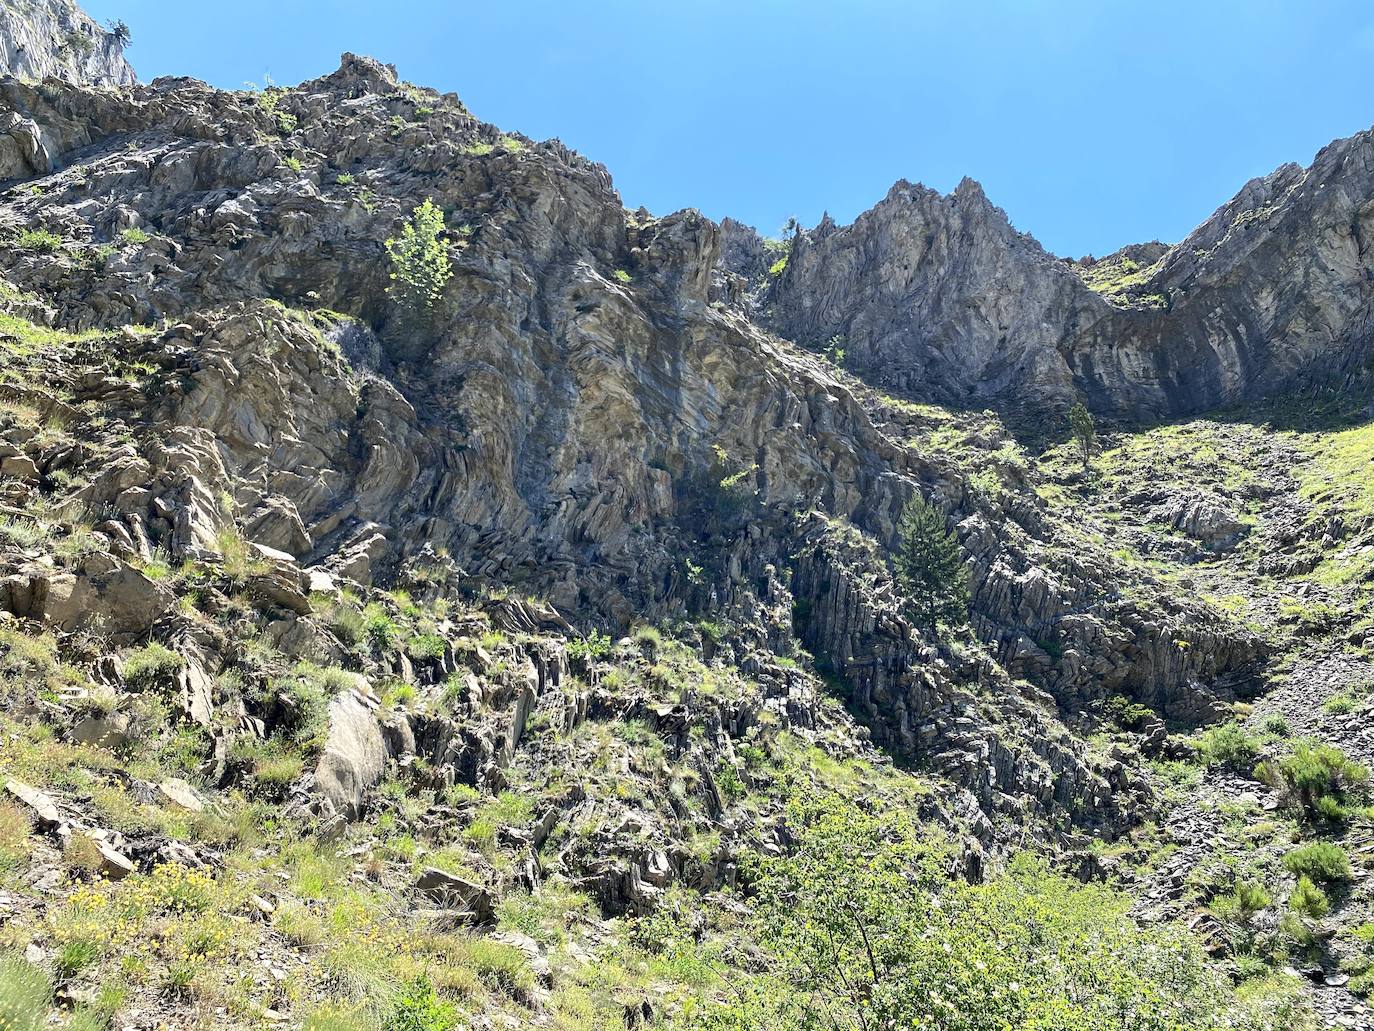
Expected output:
{"points": [[1284, 542]]}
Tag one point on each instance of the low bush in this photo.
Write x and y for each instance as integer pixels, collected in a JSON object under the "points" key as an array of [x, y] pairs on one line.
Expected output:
{"points": [[420, 1009], [1321, 861], [1229, 745], [1320, 778], [1245, 899], [1309, 900], [40, 240]]}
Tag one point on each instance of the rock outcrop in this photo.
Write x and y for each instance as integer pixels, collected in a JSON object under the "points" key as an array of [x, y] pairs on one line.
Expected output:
{"points": [[939, 297], [41, 39], [588, 418]]}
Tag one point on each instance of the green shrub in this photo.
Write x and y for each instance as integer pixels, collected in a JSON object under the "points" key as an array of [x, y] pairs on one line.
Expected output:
{"points": [[379, 629], [622, 276], [420, 265], [1275, 724], [595, 645], [1245, 899], [1309, 900], [860, 927], [40, 240], [1229, 745], [731, 786], [419, 1009], [426, 646], [1339, 704], [1322, 861], [134, 236], [1321, 778]]}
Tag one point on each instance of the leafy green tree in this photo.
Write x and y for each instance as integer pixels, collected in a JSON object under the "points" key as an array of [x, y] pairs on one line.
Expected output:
{"points": [[863, 930], [420, 265], [1081, 422], [930, 568]]}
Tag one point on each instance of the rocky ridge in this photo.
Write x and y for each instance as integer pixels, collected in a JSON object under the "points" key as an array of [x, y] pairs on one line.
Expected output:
{"points": [[561, 592], [41, 39], [939, 297]]}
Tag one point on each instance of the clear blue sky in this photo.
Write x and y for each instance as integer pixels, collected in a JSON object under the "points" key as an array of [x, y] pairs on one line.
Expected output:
{"points": [[1094, 123]]}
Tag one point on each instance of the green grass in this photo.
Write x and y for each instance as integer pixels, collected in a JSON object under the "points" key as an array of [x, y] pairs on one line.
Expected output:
{"points": [[25, 995], [150, 666]]}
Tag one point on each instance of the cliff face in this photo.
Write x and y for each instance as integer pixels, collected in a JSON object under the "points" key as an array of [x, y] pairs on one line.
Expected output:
{"points": [[588, 417], [939, 297], [935, 296], [557, 587], [42, 39]]}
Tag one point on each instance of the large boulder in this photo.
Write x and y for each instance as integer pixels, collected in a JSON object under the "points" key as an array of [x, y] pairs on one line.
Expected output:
{"points": [[458, 893], [356, 751], [105, 592]]}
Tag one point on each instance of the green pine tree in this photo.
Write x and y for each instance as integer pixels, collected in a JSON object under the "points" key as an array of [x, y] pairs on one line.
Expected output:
{"points": [[930, 567]]}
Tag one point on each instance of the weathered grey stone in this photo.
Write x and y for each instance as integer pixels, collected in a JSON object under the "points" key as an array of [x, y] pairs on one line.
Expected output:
{"points": [[20, 467], [42, 38], [108, 731], [42, 807], [179, 793], [355, 754], [454, 892], [114, 865]]}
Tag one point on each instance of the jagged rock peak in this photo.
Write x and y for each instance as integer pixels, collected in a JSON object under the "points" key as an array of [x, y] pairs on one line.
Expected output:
{"points": [[358, 76], [40, 39]]}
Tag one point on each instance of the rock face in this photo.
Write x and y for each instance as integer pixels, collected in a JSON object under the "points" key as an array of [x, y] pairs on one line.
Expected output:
{"points": [[568, 576], [939, 297], [42, 39], [591, 417]]}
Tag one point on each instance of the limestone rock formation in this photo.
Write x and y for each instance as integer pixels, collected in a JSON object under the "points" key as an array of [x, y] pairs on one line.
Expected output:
{"points": [[42, 39], [940, 297]]}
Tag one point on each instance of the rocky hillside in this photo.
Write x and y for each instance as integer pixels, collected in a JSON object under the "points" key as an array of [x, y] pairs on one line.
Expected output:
{"points": [[41, 39], [941, 298], [533, 656]]}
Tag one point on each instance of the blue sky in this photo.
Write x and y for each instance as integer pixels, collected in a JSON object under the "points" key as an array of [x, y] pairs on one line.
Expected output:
{"points": [[1094, 123]]}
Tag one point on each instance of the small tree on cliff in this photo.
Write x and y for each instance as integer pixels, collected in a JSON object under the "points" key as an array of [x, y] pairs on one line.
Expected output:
{"points": [[420, 265], [930, 568], [1081, 422]]}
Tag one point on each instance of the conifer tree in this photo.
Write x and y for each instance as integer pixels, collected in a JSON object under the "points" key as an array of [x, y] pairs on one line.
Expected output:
{"points": [[930, 568]]}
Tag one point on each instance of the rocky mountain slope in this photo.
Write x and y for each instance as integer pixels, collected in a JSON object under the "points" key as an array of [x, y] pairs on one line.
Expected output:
{"points": [[939, 297], [524, 664], [55, 38]]}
